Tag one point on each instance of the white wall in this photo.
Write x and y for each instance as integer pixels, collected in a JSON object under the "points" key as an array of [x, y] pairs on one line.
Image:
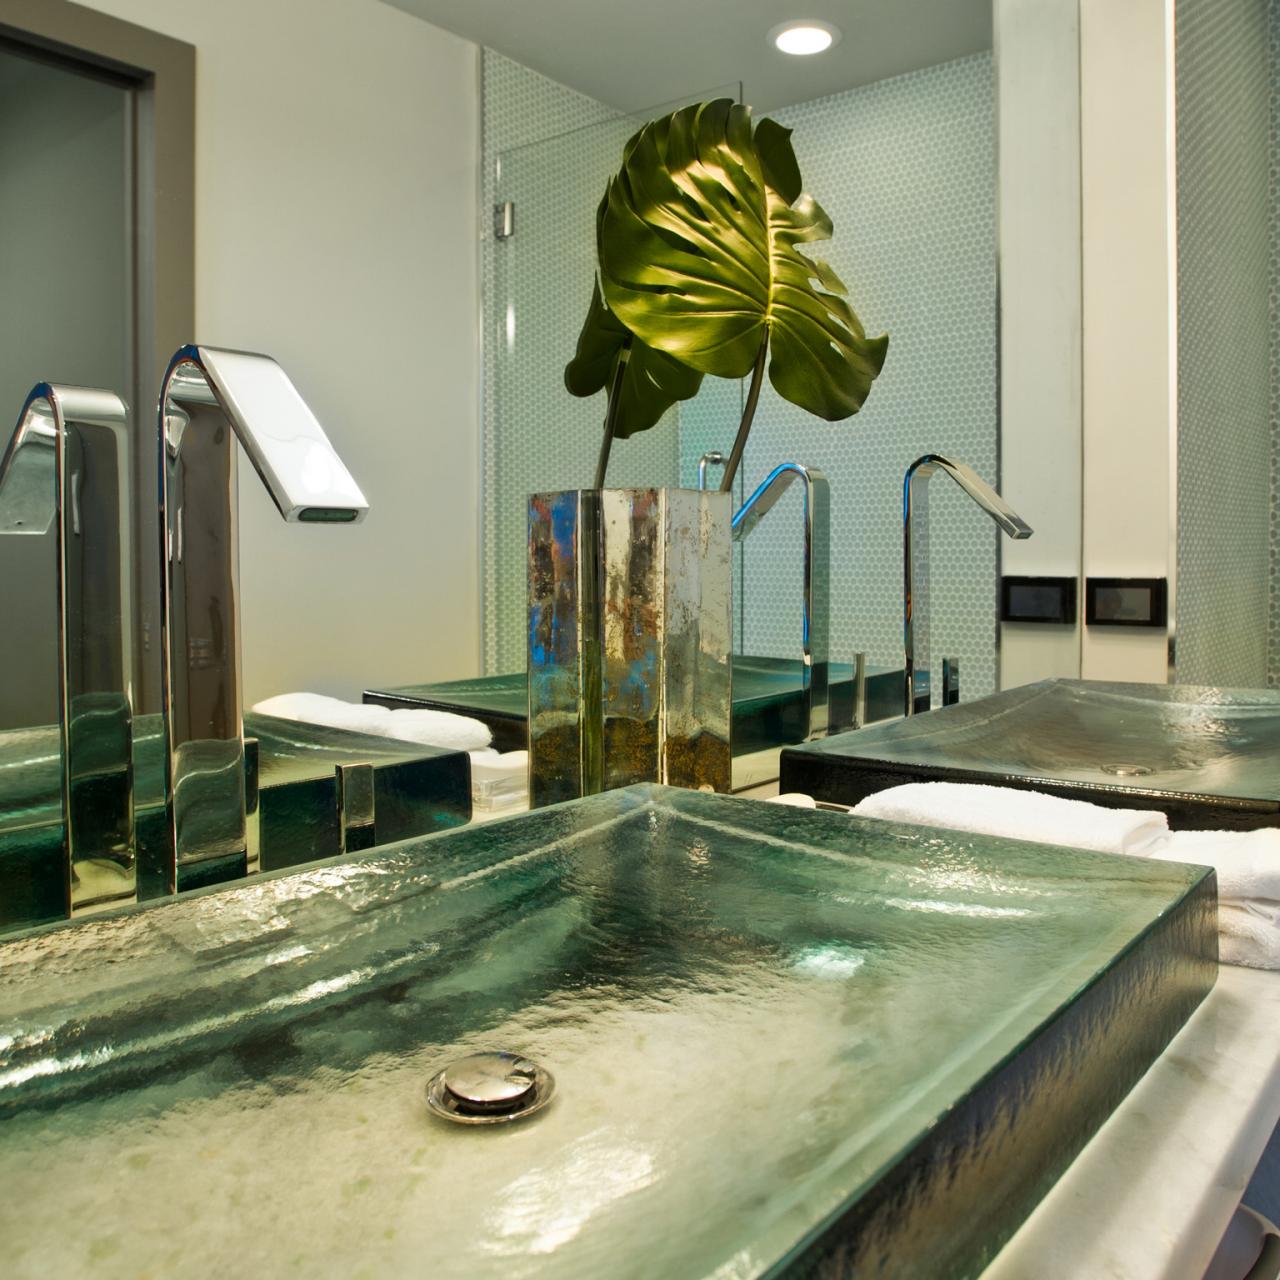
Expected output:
{"points": [[336, 145]]}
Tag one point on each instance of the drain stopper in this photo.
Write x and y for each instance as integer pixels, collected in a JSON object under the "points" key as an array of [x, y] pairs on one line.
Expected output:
{"points": [[489, 1088], [1126, 770]]}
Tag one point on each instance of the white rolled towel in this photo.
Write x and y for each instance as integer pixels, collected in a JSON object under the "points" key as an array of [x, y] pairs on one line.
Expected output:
{"points": [[1247, 862], [1249, 935], [1248, 868], [1016, 815], [422, 725]]}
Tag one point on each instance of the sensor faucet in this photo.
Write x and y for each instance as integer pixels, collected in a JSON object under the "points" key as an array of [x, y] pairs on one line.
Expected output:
{"points": [[915, 535], [211, 397], [67, 468]]}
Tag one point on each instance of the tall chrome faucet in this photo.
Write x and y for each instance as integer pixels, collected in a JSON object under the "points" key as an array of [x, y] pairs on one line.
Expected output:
{"points": [[915, 536], [815, 623], [209, 398], [67, 467]]}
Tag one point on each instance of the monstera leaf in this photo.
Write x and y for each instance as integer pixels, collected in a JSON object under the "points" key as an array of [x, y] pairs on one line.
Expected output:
{"points": [[652, 381], [698, 259]]}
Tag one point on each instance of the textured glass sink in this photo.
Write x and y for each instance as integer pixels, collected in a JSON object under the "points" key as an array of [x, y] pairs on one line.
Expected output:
{"points": [[786, 1042], [1207, 757], [417, 790], [767, 707]]}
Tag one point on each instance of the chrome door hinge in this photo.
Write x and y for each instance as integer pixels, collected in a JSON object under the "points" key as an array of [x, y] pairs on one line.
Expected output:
{"points": [[504, 220]]}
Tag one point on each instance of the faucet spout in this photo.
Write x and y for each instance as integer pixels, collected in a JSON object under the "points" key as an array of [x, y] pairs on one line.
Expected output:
{"points": [[210, 398], [915, 535], [712, 458], [816, 620], [66, 468]]}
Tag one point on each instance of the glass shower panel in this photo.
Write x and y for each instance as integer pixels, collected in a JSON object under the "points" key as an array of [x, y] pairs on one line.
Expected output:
{"points": [[537, 436]]}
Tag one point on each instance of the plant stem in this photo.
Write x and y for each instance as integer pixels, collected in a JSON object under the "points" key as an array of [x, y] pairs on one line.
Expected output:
{"points": [[611, 412], [744, 427]]}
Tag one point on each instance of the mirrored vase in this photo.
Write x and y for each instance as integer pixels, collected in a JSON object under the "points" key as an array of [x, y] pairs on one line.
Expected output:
{"points": [[630, 634]]}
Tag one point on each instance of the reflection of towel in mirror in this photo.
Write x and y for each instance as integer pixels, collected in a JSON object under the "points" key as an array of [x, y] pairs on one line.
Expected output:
{"points": [[1016, 815], [1248, 867], [412, 724]]}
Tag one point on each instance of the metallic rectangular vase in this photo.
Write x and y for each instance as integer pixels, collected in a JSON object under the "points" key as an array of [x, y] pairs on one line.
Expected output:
{"points": [[630, 635]]}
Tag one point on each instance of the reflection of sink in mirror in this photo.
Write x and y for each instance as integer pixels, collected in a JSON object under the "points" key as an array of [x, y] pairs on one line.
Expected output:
{"points": [[417, 790], [767, 701], [778, 1040], [1207, 757]]}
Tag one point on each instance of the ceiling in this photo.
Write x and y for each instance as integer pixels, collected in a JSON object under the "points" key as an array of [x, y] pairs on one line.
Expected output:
{"points": [[648, 52]]}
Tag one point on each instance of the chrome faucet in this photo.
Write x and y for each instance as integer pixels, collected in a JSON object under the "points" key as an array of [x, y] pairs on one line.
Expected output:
{"points": [[67, 467], [209, 398], [712, 458], [917, 694], [815, 623]]}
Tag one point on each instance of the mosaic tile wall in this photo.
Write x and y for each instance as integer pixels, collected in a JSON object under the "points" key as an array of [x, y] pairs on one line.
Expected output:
{"points": [[907, 170], [1224, 341]]}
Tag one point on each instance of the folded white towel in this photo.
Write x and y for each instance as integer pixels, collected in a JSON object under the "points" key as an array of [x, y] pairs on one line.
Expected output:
{"points": [[1247, 862], [796, 799], [1249, 935], [411, 724], [499, 780], [1016, 815]]}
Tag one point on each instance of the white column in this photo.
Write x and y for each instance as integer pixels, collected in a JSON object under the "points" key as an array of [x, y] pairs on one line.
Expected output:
{"points": [[1129, 316], [1038, 124]]}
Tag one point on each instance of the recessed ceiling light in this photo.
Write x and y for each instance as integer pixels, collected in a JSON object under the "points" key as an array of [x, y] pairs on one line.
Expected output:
{"points": [[804, 35]]}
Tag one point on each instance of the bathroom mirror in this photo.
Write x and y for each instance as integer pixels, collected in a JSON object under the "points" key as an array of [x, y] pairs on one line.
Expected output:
{"points": [[980, 160], [1071, 249], [903, 158]]}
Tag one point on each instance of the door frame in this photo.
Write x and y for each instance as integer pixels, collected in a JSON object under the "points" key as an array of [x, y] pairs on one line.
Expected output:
{"points": [[161, 72]]}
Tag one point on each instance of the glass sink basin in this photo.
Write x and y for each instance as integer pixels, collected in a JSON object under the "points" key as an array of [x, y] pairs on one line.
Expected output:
{"points": [[785, 1042], [767, 707], [417, 790], [1207, 757]]}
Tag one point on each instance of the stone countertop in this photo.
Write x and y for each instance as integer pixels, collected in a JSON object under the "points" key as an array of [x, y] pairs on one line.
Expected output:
{"points": [[1151, 1195]]}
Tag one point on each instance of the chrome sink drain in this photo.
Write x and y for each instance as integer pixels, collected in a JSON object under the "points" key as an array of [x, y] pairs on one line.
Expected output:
{"points": [[1126, 770], [489, 1088]]}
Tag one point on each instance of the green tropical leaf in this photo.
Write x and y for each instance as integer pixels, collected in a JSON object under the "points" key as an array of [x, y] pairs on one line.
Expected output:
{"points": [[651, 383], [698, 255]]}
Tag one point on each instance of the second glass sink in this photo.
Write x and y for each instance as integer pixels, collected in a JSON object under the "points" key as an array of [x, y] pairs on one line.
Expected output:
{"points": [[786, 1043], [767, 706], [1207, 757]]}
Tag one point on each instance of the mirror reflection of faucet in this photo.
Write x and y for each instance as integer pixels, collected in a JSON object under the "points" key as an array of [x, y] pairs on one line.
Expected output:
{"points": [[66, 468], [917, 692], [815, 620], [712, 458]]}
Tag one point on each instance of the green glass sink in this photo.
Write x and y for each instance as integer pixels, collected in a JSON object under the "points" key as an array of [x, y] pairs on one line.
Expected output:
{"points": [[1205, 756], [767, 706], [417, 790], [785, 1043]]}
